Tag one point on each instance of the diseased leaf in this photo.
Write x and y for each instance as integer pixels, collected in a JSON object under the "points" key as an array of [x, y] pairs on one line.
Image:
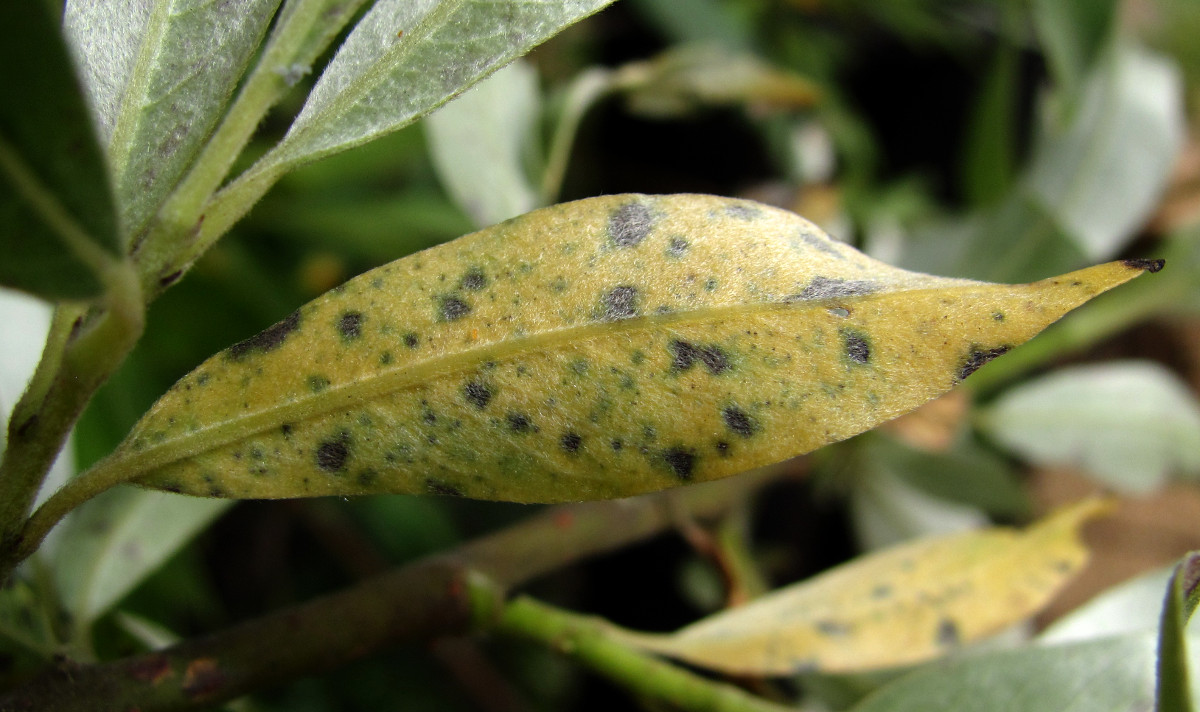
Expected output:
{"points": [[594, 349], [159, 73], [406, 58], [1131, 425], [110, 544], [57, 220], [898, 607]]}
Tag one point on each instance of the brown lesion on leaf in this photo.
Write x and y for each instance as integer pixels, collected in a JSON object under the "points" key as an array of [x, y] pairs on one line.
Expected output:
{"points": [[857, 347]]}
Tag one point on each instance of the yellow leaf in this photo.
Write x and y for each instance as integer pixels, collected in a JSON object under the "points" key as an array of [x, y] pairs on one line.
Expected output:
{"points": [[594, 349], [902, 606]]}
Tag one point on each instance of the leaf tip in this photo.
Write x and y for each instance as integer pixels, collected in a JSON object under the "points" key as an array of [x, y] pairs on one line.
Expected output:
{"points": [[1144, 264]]}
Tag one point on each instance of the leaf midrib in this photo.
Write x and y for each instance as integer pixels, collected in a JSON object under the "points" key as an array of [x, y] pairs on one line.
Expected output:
{"points": [[375, 386]]}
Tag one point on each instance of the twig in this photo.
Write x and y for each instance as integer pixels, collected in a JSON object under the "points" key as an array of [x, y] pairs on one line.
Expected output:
{"points": [[416, 602]]}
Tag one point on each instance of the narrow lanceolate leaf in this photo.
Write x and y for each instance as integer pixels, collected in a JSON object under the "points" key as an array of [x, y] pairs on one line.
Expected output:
{"points": [[898, 607], [594, 349], [57, 222], [406, 58], [159, 73]]}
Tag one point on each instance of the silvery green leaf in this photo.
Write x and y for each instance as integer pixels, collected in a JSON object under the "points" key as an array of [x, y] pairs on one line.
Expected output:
{"points": [[482, 144], [158, 74], [1101, 173], [408, 57], [1130, 424], [1108, 674], [112, 543]]}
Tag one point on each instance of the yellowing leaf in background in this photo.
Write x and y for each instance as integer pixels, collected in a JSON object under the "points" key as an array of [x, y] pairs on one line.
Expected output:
{"points": [[901, 606], [595, 349]]}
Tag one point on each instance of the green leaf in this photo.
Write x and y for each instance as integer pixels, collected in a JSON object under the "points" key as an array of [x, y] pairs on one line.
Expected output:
{"points": [[1106, 674], [989, 161], [57, 222], [405, 59], [897, 607], [1073, 33], [594, 349], [483, 142], [112, 543], [159, 75], [965, 473], [23, 620], [1129, 424], [1174, 691], [1100, 174]]}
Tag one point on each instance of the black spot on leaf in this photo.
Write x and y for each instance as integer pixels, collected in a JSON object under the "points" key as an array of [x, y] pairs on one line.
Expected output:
{"points": [[519, 423], [858, 349], [738, 420], [332, 454], [947, 633], [317, 383], [829, 288], [451, 308], [474, 280], [977, 358], [682, 461], [620, 303], [630, 224], [833, 628], [570, 441], [677, 247], [350, 325], [478, 393], [685, 354], [743, 211], [442, 488], [1148, 265], [411, 340], [266, 340]]}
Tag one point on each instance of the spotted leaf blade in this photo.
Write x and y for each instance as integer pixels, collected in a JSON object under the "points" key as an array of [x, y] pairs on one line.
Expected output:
{"points": [[901, 606], [594, 349]]}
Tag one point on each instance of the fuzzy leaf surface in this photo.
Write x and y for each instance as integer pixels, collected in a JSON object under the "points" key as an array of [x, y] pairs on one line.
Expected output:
{"points": [[158, 73], [898, 607], [406, 58], [55, 203], [595, 349]]}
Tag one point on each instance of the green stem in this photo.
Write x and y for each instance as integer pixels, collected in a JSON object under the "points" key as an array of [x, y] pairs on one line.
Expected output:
{"points": [[302, 34], [584, 92], [589, 641], [79, 358]]}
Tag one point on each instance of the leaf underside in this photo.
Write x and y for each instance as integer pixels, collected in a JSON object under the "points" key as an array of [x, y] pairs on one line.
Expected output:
{"points": [[595, 349]]}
